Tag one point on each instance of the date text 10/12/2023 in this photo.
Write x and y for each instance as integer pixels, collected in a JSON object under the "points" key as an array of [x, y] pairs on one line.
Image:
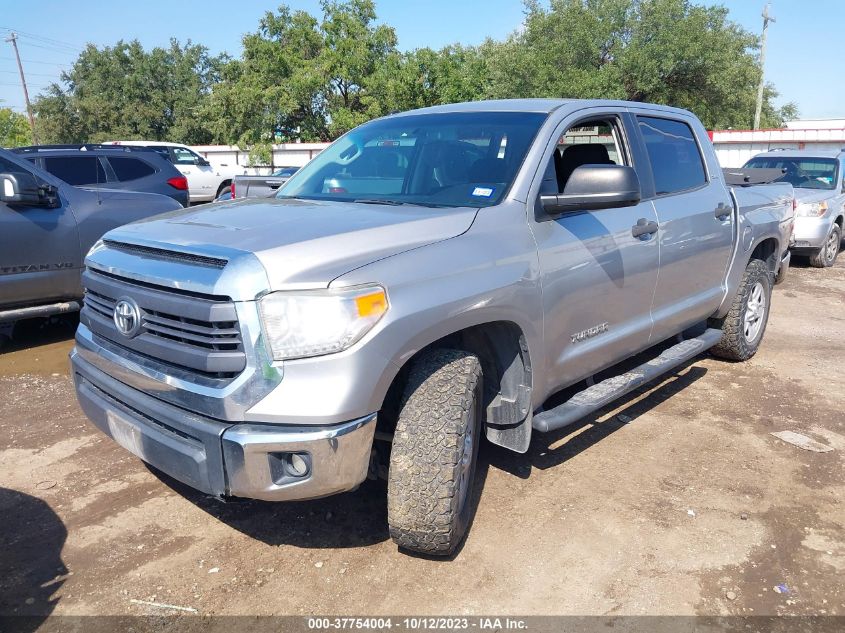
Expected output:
{"points": [[416, 623]]}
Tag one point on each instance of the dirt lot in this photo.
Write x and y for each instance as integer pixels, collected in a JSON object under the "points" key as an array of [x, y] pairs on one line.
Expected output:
{"points": [[685, 505]]}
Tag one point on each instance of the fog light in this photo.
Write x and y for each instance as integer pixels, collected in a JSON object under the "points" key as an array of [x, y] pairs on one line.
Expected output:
{"points": [[297, 465], [286, 468]]}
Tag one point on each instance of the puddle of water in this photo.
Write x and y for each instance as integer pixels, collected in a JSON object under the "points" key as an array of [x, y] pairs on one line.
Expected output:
{"points": [[39, 346]]}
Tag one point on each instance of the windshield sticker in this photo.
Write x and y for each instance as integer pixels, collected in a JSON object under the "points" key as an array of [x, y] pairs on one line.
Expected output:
{"points": [[483, 192]]}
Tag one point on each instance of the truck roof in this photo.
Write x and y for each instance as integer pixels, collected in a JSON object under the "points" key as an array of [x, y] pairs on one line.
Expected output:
{"points": [[536, 105]]}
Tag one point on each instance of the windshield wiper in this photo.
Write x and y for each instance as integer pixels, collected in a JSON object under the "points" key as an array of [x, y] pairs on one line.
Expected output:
{"points": [[392, 203]]}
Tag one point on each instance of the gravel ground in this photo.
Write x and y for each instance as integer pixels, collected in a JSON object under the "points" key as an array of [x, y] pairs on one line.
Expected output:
{"points": [[677, 501]]}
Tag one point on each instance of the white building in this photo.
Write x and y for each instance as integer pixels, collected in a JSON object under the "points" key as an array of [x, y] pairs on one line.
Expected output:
{"points": [[734, 147]]}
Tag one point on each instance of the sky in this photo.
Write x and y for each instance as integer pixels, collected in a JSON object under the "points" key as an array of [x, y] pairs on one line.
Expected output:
{"points": [[801, 58]]}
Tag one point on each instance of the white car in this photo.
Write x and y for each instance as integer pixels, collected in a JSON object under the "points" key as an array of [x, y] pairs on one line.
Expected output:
{"points": [[206, 181]]}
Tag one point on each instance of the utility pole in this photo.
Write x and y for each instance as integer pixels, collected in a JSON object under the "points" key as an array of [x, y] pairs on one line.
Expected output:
{"points": [[766, 19], [13, 38]]}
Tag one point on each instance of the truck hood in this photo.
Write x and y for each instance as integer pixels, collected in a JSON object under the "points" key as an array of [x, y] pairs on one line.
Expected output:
{"points": [[300, 243], [813, 195]]}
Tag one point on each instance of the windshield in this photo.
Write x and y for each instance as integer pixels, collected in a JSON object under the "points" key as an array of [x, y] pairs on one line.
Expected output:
{"points": [[805, 173], [458, 159]]}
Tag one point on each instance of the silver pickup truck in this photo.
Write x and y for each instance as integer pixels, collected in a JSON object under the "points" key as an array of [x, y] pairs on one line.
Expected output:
{"points": [[46, 227], [431, 278]]}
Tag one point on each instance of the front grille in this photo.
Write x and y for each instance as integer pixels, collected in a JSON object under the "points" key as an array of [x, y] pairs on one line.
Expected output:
{"points": [[200, 334]]}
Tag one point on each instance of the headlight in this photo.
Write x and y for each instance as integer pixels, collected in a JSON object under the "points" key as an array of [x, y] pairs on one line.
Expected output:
{"points": [[811, 209], [312, 323]]}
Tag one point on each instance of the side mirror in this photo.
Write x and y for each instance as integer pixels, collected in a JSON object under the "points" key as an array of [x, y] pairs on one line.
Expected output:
{"points": [[202, 162], [23, 189], [592, 187]]}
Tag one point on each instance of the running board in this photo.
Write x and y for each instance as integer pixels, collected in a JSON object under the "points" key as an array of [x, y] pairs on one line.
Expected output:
{"points": [[601, 393]]}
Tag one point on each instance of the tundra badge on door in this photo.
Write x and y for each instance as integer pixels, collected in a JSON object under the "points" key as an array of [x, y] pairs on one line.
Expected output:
{"points": [[589, 332]]}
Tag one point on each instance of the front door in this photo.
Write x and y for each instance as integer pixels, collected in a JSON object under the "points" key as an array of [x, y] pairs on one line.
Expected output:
{"points": [[40, 257], [597, 278]]}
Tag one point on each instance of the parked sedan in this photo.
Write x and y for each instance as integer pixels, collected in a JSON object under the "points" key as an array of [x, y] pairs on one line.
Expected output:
{"points": [[112, 167], [818, 177]]}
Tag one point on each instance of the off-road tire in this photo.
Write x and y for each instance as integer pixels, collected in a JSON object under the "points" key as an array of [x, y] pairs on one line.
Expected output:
{"points": [[734, 345], [441, 404], [822, 258]]}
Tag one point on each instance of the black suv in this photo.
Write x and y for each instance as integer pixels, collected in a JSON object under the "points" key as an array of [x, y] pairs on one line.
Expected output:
{"points": [[110, 167]]}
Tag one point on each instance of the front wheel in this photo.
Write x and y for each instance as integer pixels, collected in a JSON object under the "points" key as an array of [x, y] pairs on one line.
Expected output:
{"points": [[434, 453], [826, 256], [745, 323]]}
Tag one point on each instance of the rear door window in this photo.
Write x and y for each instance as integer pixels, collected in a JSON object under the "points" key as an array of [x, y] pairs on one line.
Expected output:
{"points": [[130, 168], [675, 158], [76, 170]]}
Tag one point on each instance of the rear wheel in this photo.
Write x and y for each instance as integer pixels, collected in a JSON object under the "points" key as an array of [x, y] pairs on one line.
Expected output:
{"points": [[745, 323], [434, 453], [826, 256]]}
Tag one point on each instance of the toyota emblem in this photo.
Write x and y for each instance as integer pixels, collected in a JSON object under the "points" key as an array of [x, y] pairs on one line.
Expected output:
{"points": [[127, 317]]}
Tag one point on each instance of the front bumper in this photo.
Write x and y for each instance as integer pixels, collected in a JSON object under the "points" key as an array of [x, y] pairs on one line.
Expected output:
{"points": [[221, 458], [811, 233]]}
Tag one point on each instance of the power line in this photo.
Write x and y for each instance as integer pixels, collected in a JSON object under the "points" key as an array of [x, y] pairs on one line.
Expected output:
{"points": [[35, 61], [31, 74], [3, 83], [54, 49], [43, 39]]}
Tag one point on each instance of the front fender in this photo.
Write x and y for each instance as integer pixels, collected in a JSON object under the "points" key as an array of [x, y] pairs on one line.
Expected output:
{"points": [[490, 273]]}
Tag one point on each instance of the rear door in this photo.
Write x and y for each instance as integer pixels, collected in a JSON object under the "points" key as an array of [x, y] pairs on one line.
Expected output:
{"points": [[695, 219], [40, 256], [597, 278]]}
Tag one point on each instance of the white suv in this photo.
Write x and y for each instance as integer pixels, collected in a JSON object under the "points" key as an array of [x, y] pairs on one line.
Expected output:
{"points": [[206, 181]]}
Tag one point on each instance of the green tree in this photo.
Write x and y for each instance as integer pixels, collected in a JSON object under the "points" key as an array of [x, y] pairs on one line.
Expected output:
{"points": [[662, 51], [14, 129], [126, 92], [353, 49], [274, 86], [425, 77], [300, 77], [313, 78]]}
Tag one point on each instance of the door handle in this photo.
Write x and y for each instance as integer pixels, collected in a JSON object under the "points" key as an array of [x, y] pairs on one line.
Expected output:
{"points": [[643, 227], [722, 211]]}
